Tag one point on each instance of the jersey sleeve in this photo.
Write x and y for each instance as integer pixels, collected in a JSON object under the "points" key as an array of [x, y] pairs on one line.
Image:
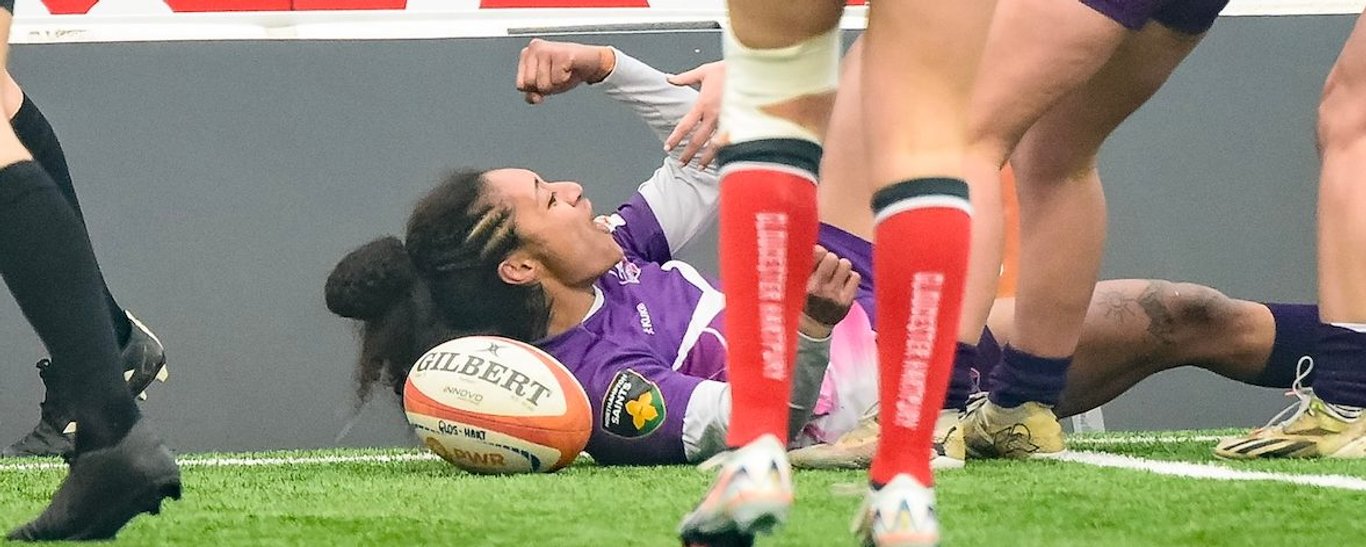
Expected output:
{"points": [[678, 201], [708, 417], [707, 422], [647, 413]]}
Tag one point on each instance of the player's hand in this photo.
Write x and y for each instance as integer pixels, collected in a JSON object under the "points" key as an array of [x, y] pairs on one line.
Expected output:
{"points": [[547, 68], [830, 293], [699, 125]]}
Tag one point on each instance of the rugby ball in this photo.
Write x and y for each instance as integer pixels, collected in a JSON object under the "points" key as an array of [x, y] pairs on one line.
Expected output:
{"points": [[494, 405]]}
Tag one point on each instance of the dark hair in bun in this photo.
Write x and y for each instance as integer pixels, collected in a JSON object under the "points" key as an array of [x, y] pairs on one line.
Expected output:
{"points": [[370, 280], [440, 283]]}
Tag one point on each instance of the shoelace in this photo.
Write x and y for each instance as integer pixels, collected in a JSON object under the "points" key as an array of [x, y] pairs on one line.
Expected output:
{"points": [[1299, 391], [977, 399]]}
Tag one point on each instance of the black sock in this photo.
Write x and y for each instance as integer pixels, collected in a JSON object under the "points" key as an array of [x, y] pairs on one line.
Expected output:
{"points": [[1297, 336], [46, 260], [37, 136]]}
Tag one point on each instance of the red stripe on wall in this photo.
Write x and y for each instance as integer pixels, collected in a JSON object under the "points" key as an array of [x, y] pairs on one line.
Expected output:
{"points": [[495, 4], [306, 5], [229, 5], [69, 7]]}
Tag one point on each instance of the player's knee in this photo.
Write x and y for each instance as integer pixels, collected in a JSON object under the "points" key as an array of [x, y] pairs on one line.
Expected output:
{"points": [[1035, 160], [1209, 329], [780, 93], [989, 148], [1342, 113], [1197, 310]]}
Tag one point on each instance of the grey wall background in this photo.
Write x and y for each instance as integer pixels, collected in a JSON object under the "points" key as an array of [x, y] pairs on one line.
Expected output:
{"points": [[222, 181]]}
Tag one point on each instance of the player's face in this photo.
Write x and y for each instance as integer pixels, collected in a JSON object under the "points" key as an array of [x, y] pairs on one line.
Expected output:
{"points": [[556, 221]]}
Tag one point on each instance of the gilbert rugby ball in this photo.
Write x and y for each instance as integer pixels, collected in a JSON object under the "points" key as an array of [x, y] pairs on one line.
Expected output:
{"points": [[494, 405]]}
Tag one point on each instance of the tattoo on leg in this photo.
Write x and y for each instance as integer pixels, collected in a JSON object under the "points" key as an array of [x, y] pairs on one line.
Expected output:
{"points": [[1161, 323], [1118, 306]]}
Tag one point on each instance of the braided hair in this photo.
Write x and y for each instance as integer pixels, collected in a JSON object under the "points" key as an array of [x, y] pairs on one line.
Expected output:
{"points": [[441, 282]]}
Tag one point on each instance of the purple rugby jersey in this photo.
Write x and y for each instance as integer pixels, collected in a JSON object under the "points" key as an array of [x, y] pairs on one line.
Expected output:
{"points": [[652, 337], [651, 351], [651, 346]]}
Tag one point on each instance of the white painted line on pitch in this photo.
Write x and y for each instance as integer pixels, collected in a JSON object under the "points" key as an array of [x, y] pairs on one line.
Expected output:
{"points": [[1108, 440], [313, 460], [1208, 471], [1144, 439], [254, 462]]}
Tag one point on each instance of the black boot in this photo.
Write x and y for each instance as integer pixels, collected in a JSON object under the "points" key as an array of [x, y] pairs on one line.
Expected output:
{"points": [[144, 358], [106, 488], [50, 437], [144, 361]]}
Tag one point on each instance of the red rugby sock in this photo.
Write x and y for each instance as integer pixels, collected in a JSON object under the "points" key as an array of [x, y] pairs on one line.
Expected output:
{"points": [[920, 257], [768, 228]]}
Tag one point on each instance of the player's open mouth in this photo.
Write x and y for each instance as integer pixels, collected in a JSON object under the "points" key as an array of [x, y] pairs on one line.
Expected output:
{"points": [[602, 224]]}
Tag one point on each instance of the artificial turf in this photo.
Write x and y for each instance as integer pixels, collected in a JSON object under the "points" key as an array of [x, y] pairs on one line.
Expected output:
{"points": [[411, 499]]}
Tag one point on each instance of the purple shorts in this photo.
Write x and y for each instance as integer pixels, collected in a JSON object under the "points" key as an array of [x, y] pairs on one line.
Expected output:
{"points": [[851, 382], [859, 251], [1188, 16]]}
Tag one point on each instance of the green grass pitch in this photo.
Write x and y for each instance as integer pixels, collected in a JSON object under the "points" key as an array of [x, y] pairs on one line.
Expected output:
{"points": [[411, 499]]}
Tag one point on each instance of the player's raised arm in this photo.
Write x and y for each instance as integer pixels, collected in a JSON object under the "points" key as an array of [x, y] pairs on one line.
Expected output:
{"points": [[549, 68], [679, 200], [682, 194]]}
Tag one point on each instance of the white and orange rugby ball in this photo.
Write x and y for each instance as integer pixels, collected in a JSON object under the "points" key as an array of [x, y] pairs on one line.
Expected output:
{"points": [[494, 405]]}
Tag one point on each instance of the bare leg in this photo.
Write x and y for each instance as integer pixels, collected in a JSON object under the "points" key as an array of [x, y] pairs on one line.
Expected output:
{"points": [[1061, 204], [11, 151], [1056, 128], [1027, 66], [776, 24], [782, 68], [1136, 328], [1341, 380], [770, 24], [1342, 189], [920, 63], [846, 187]]}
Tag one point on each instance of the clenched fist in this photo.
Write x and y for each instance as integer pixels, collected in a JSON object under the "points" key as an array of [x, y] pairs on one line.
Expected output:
{"points": [[547, 68]]}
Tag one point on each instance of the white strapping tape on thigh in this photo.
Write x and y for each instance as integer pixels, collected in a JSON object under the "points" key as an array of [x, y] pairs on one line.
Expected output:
{"points": [[756, 78]]}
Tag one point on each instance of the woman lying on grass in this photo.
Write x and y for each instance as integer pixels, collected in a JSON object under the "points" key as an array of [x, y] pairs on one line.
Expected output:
{"points": [[509, 253]]}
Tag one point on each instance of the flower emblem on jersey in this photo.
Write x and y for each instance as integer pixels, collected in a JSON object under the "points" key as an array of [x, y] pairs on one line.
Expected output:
{"points": [[627, 273], [633, 406], [641, 410]]}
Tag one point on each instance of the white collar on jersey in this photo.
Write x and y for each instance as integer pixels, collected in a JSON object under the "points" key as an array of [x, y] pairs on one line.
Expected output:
{"points": [[598, 300]]}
